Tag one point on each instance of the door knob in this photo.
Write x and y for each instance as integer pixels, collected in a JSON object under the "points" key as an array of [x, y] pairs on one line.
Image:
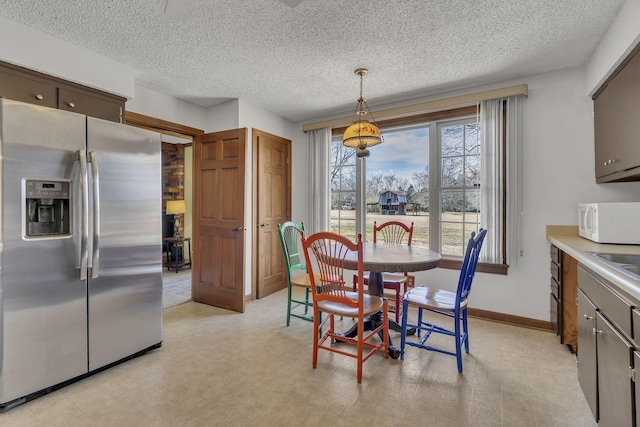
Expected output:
{"points": [[238, 229], [263, 225]]}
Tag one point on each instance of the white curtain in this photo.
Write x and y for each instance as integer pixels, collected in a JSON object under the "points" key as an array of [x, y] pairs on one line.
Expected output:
{"points": [[494, 176], [319, 182]]}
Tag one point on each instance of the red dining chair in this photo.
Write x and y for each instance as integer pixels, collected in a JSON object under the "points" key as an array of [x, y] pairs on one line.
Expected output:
{"points": [[392, 232], [325, 254], [445, 303]]}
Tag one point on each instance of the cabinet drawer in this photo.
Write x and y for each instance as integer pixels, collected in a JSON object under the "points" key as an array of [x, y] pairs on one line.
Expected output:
{"points": [[616, 309], [555, 254], [555, 289], [554, 312], [635, 316], [27, 90], [94, 106], [554, 269]]}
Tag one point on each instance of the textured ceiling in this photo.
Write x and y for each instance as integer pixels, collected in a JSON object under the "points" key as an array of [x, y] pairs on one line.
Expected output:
{"points": [[298, 62]]}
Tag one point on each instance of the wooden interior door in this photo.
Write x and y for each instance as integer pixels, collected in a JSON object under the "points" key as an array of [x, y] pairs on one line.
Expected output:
{"points": [[218, 219], [272, 198]]}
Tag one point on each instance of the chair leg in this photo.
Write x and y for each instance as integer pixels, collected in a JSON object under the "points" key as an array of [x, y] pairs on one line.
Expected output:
{"points": [[403, 329], [316, 335], [397, 289], [458, 340], [361, 334], [465, 327], [306, 301], [288, 304], [419, 331]]}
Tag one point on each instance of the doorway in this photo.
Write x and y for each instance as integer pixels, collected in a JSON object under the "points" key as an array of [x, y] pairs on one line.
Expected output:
{"points": [[177, 186], [176, 219]]}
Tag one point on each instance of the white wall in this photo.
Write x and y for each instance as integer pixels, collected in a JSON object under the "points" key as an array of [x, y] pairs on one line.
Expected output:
{"points": [[38, 51], [559, 173], [165, 107], [616, 44], [223, 116]]}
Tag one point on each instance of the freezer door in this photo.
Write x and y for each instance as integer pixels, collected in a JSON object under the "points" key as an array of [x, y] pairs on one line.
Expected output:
{"points": [[125, 284], [43, 334]]}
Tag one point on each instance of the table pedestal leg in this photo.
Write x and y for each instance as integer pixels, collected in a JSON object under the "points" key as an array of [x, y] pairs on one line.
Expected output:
{"points": [[376, 287]]}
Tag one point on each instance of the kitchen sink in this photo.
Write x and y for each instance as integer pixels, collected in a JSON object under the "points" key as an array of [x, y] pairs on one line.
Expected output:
{"points": [[628, 264], [618, 258], [635, 269]]}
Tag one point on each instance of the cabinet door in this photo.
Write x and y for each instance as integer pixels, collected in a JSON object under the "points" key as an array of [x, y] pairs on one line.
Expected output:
{"points": [[568, 299], [27, 90], [553, 313], [636, 363], [89, 104], [587, 357], [615, 388], [616, 110]]}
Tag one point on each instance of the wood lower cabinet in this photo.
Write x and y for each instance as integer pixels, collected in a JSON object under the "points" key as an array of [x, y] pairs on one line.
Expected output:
{"points": [[25, 85], [606, 359], [564, 287], [587, 359]]}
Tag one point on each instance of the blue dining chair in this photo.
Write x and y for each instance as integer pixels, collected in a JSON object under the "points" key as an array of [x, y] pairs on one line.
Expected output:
{"points": [[446, 303]]}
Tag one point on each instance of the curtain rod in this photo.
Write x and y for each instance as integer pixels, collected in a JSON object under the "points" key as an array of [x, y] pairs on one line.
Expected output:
{"points": [[428, 106]]}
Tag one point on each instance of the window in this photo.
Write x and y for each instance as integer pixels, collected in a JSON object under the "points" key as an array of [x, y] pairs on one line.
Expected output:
{"points": [[343, 189], [427, 172], [459, 197]]}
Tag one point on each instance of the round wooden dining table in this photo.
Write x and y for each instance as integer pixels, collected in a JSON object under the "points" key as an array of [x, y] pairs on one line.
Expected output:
{"points": [[389, 258]]}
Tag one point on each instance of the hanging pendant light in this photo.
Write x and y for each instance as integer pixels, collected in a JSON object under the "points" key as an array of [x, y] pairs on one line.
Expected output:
{"points": [[362, 133]]}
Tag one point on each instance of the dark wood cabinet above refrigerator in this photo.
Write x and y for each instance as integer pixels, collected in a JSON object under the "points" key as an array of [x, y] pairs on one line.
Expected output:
{"points": [[21, 84], [616, 109]]}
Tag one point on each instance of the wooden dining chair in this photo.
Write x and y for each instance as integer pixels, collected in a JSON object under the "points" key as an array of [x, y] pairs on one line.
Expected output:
{"points": [[325, 255], [392, 232], [296, 270], [446, 303]]}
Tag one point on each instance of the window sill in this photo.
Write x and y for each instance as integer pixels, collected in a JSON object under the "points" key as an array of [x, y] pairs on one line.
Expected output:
{"points": [[482, 267]]}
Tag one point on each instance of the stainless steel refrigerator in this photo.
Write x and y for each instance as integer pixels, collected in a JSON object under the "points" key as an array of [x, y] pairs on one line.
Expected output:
{"points": [[80, 247]]}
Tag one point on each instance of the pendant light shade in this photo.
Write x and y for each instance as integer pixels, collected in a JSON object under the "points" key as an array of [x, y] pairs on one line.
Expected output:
{"points": [[362, 133]]}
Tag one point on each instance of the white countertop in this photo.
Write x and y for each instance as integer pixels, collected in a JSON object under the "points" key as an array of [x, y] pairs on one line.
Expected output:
{"points": [[566, 239]]}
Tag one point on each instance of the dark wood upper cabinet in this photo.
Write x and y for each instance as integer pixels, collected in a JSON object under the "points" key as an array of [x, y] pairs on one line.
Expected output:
{"points": [[91, 104], [616, 121], [26, 85]]}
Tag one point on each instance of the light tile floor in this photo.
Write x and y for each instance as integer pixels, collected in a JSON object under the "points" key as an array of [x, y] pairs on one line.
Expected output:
{"points": [[176, 287], [219, 368]]}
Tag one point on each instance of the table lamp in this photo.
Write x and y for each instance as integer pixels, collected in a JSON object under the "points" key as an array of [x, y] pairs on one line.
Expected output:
{"points": [[177, 208]]}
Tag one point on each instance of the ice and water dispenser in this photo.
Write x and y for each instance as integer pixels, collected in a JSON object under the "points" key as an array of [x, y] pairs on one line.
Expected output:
{"points": [[47, 211]]}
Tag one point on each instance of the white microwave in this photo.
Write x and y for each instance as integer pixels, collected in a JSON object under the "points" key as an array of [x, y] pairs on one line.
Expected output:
{"points": [[610, 222]]}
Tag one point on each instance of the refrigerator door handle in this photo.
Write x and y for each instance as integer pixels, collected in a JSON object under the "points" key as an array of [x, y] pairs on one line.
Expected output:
{"points": [[95, 262], [84, 196]]}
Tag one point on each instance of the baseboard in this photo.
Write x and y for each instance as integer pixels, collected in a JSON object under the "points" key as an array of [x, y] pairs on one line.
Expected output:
{"points": [[509, 319]]}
